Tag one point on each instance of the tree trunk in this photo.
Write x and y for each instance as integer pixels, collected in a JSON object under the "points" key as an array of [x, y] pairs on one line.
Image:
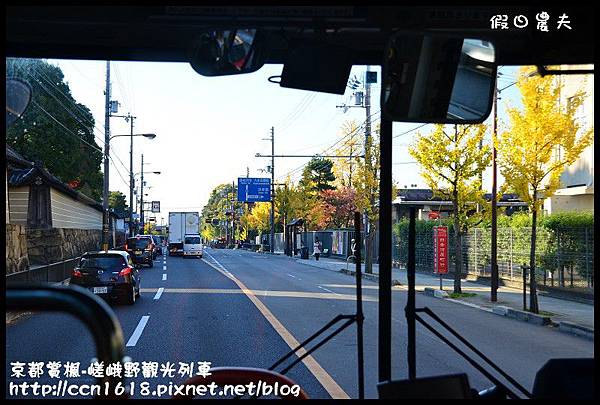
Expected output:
{"points": [[533, 304], [457, 251]]}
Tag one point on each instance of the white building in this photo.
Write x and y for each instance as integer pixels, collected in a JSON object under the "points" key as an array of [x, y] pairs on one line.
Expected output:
{"points": [[577, 188]]}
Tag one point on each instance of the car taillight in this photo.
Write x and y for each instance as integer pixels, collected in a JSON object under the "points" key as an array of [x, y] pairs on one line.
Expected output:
{"points": [[126, 248], [125, 271], [76, 272]]}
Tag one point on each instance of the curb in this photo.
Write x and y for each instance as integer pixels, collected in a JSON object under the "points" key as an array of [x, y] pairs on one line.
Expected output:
{"points": [[523, 316], [579, 330]]}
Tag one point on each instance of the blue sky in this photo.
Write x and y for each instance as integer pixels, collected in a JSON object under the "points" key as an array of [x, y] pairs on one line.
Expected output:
{"points": [[210, 128]]}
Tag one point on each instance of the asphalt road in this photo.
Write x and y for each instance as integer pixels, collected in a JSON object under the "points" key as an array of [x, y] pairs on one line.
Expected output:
{"points": [[236, 308]]}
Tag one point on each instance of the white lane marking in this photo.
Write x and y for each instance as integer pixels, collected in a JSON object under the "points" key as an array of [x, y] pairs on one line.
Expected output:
{"points": [[325, 289], [159, 293], [164, 277], [291, 275], [165, 268], [138, 331]]}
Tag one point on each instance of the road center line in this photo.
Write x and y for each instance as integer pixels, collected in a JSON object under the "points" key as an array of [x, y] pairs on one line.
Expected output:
{"points": [[137, 332], [165, 268], [159, 293], [330, 385], [164, 277]]}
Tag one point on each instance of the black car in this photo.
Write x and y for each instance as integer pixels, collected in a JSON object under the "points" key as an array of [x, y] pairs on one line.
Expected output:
{"points": [[110, 274], [141, 250]]}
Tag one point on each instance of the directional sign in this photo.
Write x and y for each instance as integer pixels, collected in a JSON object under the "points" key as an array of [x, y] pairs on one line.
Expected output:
{"points": [[155, 206], [253, 189]]}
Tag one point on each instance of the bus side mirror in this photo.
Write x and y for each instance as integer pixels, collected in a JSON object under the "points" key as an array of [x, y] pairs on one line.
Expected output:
{"points": [[436, 78]]}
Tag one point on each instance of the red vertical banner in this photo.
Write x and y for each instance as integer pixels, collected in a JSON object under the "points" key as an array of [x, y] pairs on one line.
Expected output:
{"points": [[440, 249]]}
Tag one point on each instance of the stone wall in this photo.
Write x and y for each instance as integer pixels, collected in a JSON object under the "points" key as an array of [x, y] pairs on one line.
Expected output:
{"points": [[16, 249], [46, 246]]}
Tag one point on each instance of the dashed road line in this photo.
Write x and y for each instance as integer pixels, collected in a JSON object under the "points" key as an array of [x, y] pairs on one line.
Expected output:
{"points": [[164, 277], [328, 290], [137, 332], [165, 268], [159, 293]]}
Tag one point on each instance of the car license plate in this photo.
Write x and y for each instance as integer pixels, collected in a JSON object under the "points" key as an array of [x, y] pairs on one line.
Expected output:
{"points": [[100, 290], [138, 252]]}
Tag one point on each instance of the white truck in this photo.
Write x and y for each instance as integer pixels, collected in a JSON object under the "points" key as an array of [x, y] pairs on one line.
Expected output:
{"points": [[180, 224]]}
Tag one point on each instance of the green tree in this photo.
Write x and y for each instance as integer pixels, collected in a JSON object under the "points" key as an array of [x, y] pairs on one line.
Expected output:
{"points": [[118, 202], [542, 139], [318, 175], [451, 164], [55, 129], [221, 201]]}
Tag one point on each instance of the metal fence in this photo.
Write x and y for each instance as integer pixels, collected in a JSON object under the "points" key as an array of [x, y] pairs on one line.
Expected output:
{"points": [[51, 273], [564, 258]]}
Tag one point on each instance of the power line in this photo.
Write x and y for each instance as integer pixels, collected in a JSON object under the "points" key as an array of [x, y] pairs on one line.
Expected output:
{"points": [[352, 133], [79, 108], [76, 117], [68, 130], [118, 172], [409, 131]]}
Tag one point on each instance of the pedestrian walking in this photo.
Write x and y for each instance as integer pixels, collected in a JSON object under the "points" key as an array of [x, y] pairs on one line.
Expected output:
{"points": [[317, 248]]}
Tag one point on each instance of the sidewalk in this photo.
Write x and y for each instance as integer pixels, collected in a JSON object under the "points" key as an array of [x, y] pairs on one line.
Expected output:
{"points": [[558, 309]]}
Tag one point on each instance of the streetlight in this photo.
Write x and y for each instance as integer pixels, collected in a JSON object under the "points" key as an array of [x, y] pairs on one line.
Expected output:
{"points": [[142, 191], [131, 135]]}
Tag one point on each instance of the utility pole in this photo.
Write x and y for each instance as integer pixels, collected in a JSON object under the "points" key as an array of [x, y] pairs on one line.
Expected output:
{"points": [[142, 197], [368, 240], [105, 217], [494, 253], [131, 178], [271, 244], [233, 211]]}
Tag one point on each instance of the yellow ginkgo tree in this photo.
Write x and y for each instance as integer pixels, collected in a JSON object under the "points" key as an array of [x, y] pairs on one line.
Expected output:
{"points": [[451, 163], [542, 138]]}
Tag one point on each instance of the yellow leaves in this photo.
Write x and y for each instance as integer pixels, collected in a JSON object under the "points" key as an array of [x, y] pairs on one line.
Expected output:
{"points": [[527, 152], [259, 217], [451, 162]]}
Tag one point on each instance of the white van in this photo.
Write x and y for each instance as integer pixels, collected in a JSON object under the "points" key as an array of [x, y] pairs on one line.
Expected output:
{"points": [[192, 245]]}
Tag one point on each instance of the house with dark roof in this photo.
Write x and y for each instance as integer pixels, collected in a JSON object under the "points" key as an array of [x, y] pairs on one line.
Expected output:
{"points": [[430, 207], [38, 200]]}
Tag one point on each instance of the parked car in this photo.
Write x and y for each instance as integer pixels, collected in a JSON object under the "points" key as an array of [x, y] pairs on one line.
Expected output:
{"points": [[141, 250], [111, 274], [192, 245]]}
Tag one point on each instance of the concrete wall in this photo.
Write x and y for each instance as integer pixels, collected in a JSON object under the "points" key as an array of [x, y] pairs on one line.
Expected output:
{"points": [[18, 200], [46, 246], [68, 213], [16, 249], [569, 203]]}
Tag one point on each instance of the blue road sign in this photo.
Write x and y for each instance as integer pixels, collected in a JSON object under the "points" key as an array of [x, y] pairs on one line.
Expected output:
{"points": [[254, 189]]}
